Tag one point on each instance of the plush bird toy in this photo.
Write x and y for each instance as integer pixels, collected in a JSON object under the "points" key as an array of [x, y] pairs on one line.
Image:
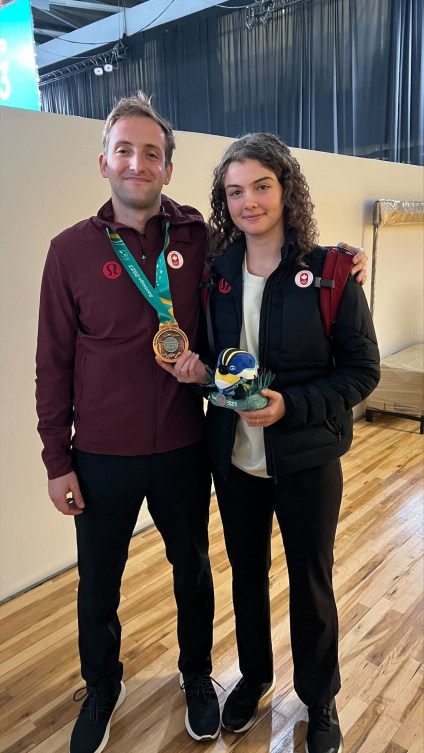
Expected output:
{"points": [[234, 368], [239, 381]]}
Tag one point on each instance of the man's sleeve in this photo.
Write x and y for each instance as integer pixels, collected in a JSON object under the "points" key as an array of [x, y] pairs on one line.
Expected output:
{"points": [[55, 358]]}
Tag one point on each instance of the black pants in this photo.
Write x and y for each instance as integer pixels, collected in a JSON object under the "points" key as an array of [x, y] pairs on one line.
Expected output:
{"points": [[177, 488], [307, 506]]}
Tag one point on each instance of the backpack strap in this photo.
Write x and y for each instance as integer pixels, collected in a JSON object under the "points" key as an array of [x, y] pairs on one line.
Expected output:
{"points": [[334, 275]]}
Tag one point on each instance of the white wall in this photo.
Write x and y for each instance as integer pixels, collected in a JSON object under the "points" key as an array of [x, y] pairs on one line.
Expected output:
{"points": [[49, 179], [344, 192]]}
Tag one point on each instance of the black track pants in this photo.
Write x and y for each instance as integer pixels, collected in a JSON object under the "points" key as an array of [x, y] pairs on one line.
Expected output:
{"points": [[307, 506], [177, 488]]}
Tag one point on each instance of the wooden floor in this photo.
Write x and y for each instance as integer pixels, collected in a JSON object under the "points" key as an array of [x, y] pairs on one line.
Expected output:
{"points": [[378, 582]]}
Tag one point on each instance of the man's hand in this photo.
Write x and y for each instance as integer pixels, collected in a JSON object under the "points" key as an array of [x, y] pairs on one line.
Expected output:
{"points": [[188, 369], [65, 494], [359, 262]]}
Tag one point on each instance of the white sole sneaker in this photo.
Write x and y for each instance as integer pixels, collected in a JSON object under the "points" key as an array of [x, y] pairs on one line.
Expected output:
{"points": [[201, 738], [262, 702], [119, 702], [340, 749]]}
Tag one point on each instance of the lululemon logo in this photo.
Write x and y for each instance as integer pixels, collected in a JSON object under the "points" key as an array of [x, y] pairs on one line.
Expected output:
{"points": [[112, 270], [175, 260], [304, 278], [224, 286]]}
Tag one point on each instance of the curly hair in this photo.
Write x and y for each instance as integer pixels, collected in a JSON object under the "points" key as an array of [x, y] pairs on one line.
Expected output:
{"points": [[139, 105], [272, 153]]}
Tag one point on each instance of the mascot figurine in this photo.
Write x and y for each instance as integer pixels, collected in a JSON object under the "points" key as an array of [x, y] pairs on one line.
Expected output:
{"points": [[238, 381]]}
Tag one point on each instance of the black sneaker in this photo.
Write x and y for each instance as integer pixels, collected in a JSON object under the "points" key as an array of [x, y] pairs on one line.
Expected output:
{"points": [[91, 730], [203, 716], [324, 734], [241, 708]]}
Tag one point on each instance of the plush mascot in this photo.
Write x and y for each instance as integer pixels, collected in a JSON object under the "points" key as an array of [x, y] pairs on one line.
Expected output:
{"points": [[234, 368], [238, 381]]}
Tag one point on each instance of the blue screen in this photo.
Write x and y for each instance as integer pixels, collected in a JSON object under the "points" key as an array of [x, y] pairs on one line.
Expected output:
{"points": [[18, 72]]}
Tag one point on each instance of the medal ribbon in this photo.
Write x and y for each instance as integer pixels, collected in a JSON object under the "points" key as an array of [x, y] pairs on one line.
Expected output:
{"points": [[160, 296]]}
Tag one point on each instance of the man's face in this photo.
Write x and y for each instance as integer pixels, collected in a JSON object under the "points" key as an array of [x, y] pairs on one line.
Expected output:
{"points": [[134, 163]]}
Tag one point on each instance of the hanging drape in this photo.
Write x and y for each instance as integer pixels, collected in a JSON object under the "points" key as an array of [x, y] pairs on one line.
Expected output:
{"points": [[342, 76]]}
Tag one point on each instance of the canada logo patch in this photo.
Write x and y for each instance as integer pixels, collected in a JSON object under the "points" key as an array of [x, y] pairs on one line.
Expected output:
{"points": [[304, 278], [175, 259]]}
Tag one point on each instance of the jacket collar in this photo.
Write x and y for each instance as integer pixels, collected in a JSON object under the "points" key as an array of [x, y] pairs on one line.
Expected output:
{"points": [[176, 214], [229, 264]]}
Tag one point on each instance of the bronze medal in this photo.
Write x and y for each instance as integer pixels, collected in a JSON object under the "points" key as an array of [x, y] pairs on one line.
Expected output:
{"points": [[170, 342]]}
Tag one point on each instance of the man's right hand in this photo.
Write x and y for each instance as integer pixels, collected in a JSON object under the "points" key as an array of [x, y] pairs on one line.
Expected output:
{"points": [[188, 369], [60, 487]]}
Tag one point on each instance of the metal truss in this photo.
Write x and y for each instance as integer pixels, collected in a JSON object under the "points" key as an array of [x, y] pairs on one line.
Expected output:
{"points": [[104, 61]]}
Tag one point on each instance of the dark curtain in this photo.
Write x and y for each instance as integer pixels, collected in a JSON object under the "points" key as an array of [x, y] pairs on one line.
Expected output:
{"points": [[342, 76]]}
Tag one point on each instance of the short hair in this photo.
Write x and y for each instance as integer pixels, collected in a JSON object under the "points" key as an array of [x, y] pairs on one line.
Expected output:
{"points": [[139, 105], [275, 155]]}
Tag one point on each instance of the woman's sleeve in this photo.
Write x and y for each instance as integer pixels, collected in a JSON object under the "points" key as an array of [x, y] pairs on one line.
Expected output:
{"points": [[356, 370]]}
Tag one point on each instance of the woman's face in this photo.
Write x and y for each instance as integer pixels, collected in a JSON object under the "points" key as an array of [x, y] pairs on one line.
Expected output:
{"points": [[255, 199]]}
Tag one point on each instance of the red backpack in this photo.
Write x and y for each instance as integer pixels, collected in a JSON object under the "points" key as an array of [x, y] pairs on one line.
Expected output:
{"points": [[334, 275]]}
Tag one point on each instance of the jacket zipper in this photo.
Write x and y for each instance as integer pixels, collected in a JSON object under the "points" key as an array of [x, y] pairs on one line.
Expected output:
{"points": [[262, 353]]}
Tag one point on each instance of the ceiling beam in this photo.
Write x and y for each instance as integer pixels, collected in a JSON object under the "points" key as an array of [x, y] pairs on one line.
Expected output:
{"points": [[144, 16], [82, 5], [47, 32], [61, 20], [40, 4]]}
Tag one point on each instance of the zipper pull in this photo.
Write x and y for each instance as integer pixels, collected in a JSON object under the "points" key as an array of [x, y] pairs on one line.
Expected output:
{"points": [[143, 258]]}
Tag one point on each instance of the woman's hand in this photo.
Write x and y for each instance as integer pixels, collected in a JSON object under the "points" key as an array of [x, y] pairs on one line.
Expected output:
{"points": [[267, 416], [188, 369]]}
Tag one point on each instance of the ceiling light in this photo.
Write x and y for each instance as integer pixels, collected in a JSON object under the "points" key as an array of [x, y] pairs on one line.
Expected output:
{"points": [[251, 20], [106, 62]]}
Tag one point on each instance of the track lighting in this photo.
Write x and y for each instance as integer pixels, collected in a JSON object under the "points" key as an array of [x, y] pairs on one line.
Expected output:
{"points": [[250, 19], [262, 11], [266, 17], [105, 62], [105, 68]]}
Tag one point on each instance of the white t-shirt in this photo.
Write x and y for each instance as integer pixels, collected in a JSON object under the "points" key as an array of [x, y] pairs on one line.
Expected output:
{"points": [[249, 449]]}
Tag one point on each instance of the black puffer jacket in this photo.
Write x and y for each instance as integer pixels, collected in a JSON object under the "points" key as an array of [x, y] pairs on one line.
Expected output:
{"points": [[320, 379]]}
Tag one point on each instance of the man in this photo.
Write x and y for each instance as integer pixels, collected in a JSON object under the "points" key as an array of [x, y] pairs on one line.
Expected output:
{"points": [[138, 432]]}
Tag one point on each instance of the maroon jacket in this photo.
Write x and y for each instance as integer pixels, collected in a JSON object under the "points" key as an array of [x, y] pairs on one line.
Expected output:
{"points": [[95, 362]]}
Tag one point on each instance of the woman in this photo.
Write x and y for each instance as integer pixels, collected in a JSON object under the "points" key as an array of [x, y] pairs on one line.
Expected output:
{"points": [[284, 458]]}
